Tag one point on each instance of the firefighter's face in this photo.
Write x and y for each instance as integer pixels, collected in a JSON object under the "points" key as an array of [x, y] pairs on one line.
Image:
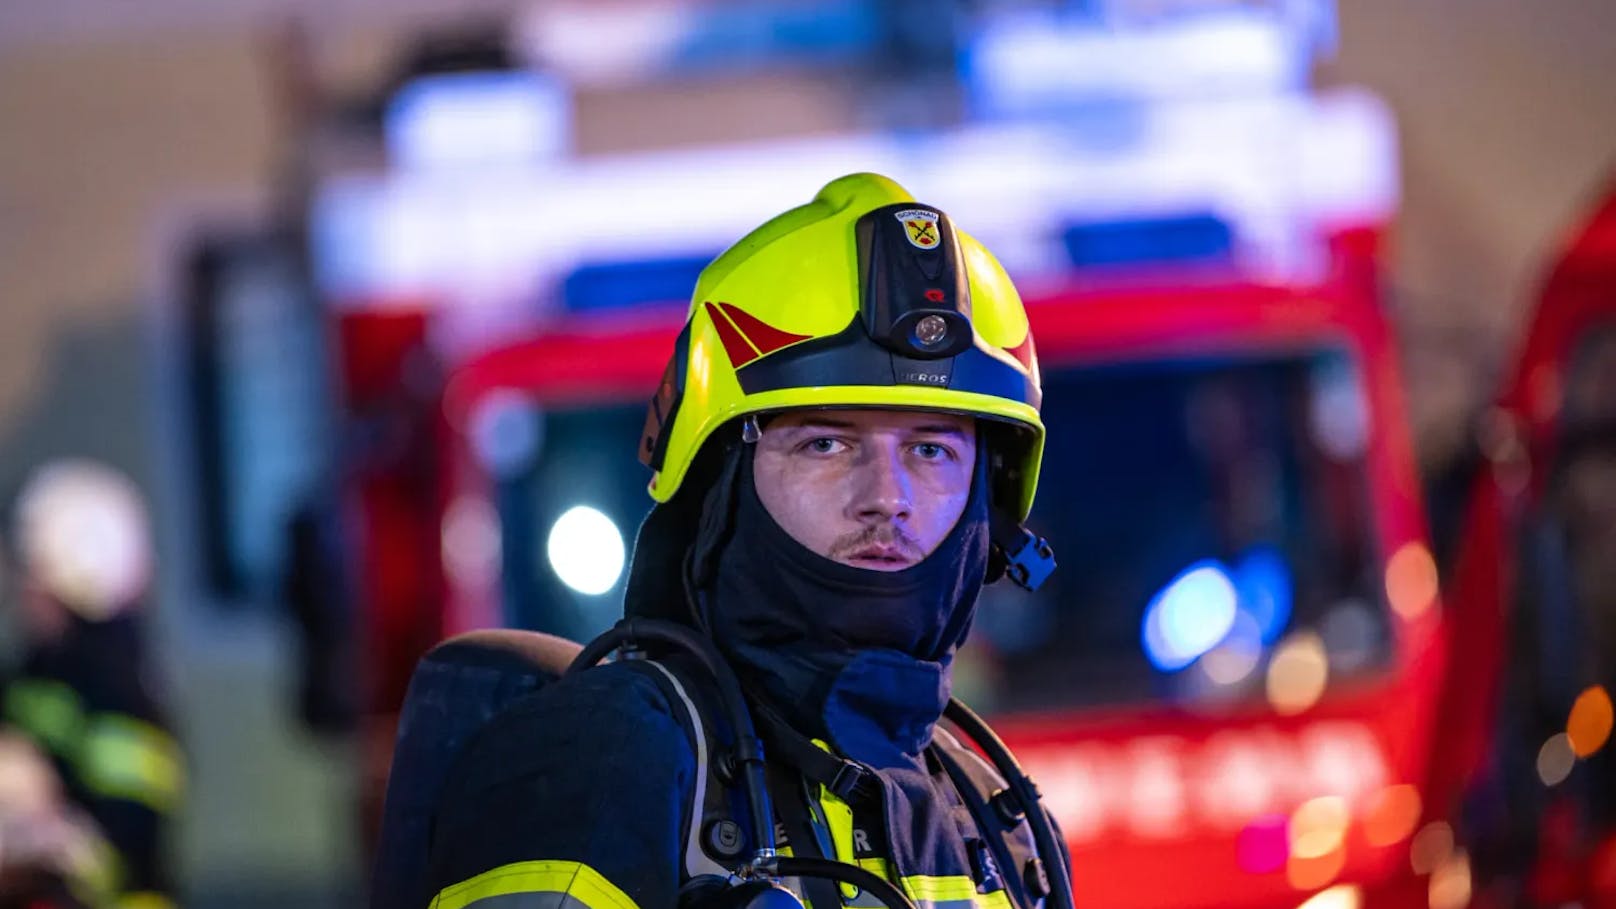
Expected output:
{"points": [[876, 489]]}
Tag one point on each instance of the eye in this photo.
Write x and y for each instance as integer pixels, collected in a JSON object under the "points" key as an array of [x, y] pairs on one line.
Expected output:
{"points": [[932, 451], [824, 445]]}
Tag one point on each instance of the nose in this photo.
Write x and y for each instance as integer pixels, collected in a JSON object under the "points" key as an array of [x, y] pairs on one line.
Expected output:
{"points": [[883, 492]]}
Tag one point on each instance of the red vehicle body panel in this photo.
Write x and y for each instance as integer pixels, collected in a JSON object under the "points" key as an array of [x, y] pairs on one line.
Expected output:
{"points": [[1519, 440]]}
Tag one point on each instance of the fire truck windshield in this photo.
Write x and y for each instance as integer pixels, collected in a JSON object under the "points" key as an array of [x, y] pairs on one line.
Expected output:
{"points": [[1212, 519], [1210, 516]]}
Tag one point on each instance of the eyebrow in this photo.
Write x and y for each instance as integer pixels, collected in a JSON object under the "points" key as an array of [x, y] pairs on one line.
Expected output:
{"points": [[935, 429]]}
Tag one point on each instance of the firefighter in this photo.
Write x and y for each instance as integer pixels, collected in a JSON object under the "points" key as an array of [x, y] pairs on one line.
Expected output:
{"points": [[844, 444], [79, 555]]}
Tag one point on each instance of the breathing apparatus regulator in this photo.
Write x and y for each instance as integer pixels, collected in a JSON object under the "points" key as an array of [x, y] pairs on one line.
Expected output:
{"points": [[862, 298]]}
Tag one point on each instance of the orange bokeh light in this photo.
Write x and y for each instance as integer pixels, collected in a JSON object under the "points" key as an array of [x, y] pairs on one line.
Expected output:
{"points": [[1319, 827], [1450, 884], [1411, 580], [1297, 674], [1432, 846], [1590, 722], [1392, 814], [1311, 873]]}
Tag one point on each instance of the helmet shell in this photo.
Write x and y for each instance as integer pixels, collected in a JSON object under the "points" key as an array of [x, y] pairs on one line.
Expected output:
{"points": [[825, 306]]}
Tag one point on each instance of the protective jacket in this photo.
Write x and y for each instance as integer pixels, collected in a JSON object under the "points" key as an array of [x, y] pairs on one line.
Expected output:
{"points": [[599, 791], [87, 700]]}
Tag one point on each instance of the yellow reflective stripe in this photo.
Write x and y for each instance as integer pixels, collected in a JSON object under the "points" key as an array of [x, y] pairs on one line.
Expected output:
{"points": [[573, 879], [125, 758], [839, 818], [145, 900], [994, 899], [924, 889], [879, 866], [48, 710]]}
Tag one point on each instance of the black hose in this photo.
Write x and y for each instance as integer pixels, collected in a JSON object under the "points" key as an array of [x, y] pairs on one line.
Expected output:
{"points": [[867, 881], [1043, 831], [631, 632]]}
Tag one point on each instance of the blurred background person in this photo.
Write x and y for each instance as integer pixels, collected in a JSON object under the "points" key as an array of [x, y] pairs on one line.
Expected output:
{"points": [[79, 557], [52, 856]]}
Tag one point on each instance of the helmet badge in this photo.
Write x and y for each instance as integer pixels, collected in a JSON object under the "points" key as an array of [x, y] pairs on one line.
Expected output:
{"points": [[920, 226]]}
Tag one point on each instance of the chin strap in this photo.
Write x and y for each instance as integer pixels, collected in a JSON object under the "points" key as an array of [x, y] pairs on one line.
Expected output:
{"points": [[1017, 553]]}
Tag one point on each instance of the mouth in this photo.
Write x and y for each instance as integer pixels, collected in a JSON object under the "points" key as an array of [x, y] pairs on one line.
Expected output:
{"points": [[880, 558]]}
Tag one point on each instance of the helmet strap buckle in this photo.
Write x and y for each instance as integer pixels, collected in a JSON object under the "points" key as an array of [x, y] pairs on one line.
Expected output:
{"points": [[1024, 557]]}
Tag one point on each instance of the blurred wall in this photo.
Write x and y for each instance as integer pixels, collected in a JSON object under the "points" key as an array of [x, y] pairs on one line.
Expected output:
{"points": [[1507, 111], [121, 125]]}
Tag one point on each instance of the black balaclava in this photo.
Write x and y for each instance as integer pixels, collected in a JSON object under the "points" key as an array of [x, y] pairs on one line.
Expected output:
{"points": [[858, 657]]}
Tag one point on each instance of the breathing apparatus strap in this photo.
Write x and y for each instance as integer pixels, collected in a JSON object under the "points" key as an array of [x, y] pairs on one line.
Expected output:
{"points": [[799, 829], [1021, 555], [849, 781]]}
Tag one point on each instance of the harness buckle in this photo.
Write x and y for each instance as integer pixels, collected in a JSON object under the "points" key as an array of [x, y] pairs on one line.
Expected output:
{"points": [[851, 780]]}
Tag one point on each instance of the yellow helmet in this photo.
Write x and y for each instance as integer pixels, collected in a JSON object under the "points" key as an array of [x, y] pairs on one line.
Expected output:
{"points": [[861, 298]]}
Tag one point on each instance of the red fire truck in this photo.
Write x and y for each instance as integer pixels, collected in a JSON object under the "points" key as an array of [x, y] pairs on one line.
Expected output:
{"points": [[1529, 696]]}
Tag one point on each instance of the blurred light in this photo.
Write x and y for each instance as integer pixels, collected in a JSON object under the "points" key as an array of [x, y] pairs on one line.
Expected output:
{"points": [[507, 432], [1341, 896], [1339, 413], [1392, 814], [1233, 661], [586, 550], [1318, 827], [1589, 726], [468, 237], [81, 532], [1263, 581], [1156, 241], [1318, 871], [1555, 760], [1189, 616], [609, 285], [1297, 674], [1431, 847], [1262, 846], [471, 541], [1450, 883], [1344, 759], [474, 119], [593, 44], [1351, 635], [1156, 802], [1411, 580], [1027, 64]]}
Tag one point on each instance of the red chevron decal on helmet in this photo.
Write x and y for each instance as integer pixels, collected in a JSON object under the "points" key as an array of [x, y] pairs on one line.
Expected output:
{"points": [[765, 337], [740, 350], [1023, 352]]}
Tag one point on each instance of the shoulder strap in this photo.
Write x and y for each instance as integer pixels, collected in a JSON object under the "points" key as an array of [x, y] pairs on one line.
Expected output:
{"points": [[1006, 836], [710, 828], [849, 780], [790, 801]]}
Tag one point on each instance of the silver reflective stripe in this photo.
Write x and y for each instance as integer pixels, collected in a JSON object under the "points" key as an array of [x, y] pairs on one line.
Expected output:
{"points": [[696, 860], [546, 900]]}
